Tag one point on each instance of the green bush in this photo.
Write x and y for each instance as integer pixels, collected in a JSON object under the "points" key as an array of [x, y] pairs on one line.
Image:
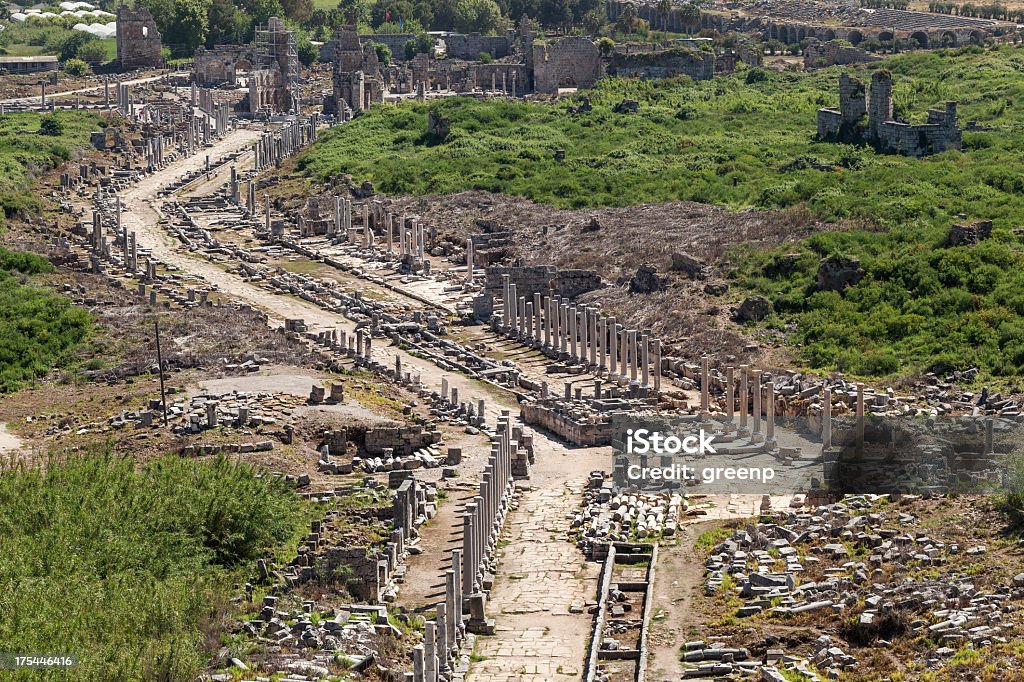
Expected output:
{"points": [[129, 567]]}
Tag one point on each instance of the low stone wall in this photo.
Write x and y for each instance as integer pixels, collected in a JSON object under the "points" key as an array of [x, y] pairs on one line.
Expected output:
{"points": [[541, 279], [585, 434]]}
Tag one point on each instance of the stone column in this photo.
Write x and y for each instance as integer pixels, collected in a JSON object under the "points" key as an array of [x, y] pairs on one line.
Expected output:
{"points": [[536, 319], [755, 390], [418, 668], [623, 351], [443, 641], [564, 341], [368, 233], [451, 606], [337, 217], [513, 305], [594, 340], [631, 336], [705, 388], [389, 228], [506, 302], [730, 404], [548, 304], [613, 340], [527, 337], [585, 324], [826, 420], [657, 365], [645, 362], [572, 334], [468, 551], [430, 651], [469, 261], [743, 399], [770, 416], [602, 340]]}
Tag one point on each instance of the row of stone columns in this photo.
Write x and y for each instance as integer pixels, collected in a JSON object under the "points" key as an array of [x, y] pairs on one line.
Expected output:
{"points": [[358, 345], [482, 522], [468, 579], [272, 148], [750, 392], [581, 334]]}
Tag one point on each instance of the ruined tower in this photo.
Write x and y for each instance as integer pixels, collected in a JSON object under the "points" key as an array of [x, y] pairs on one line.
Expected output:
{"points": [[138, 39], [880, 103]]}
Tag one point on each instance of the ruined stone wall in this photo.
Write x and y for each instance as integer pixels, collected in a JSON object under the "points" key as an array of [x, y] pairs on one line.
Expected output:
{"points": [[697, 64], [470, 45], [819, 55], [572, 62], [268, 89], [403, 440], [138, 39], [830, 123], [357, 78], [578, 433], [541, 279], [361, 567], [941, 133], [221, 64]]}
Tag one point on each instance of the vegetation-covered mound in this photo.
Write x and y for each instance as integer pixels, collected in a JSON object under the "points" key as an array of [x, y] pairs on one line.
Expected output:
{"points": [[750, 141], [130, 569]]}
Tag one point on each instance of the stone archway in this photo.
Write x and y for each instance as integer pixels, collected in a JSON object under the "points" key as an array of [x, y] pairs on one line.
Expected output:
{"points": [[919, 39]]}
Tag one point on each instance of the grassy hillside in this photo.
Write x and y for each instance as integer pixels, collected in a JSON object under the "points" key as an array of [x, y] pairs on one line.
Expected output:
{"points": [[26, 150], [748, 140], [129, 569], [37, 328]]}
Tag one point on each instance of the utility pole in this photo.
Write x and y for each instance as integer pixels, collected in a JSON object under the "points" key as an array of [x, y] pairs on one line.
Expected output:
{"points": [[160, 363]]}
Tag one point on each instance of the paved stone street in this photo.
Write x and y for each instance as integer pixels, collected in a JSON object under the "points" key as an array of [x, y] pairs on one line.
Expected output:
{"points": [[540, 575]]}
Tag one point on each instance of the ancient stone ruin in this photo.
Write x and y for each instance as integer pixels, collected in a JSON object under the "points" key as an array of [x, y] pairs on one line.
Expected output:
{"points": [[138, 39], [271, 83], [939, 134], [358, 81]]}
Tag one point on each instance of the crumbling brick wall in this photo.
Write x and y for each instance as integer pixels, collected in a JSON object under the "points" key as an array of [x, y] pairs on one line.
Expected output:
{"points": [[138, 39], [471, 45], [572, 62], [697, 64]]}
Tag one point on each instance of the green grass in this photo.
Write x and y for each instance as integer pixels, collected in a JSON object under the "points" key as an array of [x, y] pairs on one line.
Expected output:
{"points": [[921, 306], [130, 568], [25, 153], [38, 330]]}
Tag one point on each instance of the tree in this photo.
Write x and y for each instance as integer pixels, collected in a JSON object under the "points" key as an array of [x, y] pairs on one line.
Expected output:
{"points": [[68, 47], [92, 52], [76, 67], [353, 12], [383, 53], [308, 53], [422, 43], [481, 16], [298, 11], [594, 20], [227, 24], [689, 14], [51, 125], [627, 19], [664, 11], [183, 24], [605, 46]]}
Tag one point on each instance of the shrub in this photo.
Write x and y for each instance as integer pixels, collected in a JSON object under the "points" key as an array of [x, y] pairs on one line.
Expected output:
{"points": [[76, 67]]}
